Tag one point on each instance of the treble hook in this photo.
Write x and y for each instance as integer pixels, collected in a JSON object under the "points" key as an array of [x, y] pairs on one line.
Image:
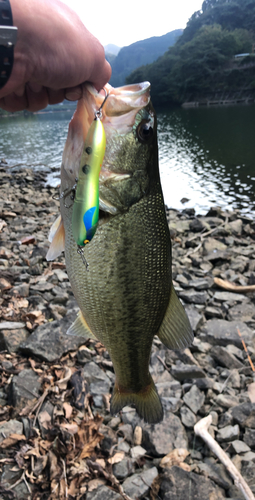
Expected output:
{"points": [[98, 113]]}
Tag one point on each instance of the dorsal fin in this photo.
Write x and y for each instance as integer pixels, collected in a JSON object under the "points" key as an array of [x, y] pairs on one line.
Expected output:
{"points": [[57, 239]]}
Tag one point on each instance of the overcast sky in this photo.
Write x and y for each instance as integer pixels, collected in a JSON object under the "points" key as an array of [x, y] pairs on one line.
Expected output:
{"points": [[123, 22]]}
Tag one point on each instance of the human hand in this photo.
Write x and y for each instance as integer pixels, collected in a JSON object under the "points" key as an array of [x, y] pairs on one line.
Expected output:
{"points": [[53, 56]]}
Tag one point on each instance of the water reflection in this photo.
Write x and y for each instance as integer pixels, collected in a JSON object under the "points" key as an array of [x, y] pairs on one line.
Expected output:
{"points": [[205, 154], [36, 141]]}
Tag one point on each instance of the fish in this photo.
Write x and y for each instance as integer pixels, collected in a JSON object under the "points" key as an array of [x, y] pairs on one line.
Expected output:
{"points": [[122, 279]]}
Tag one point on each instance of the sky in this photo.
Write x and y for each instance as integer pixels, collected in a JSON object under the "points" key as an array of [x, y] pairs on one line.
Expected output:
{"points": [[123, 22]]}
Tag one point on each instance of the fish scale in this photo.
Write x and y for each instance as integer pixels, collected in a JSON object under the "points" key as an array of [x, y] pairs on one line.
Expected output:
{"points": [[114, 313]]}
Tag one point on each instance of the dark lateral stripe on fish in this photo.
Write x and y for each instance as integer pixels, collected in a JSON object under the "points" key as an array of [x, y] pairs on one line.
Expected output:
{"points": [[146, 402]]}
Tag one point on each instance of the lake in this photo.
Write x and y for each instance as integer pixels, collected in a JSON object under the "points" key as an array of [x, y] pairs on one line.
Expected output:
{"points": [[206, 155]]}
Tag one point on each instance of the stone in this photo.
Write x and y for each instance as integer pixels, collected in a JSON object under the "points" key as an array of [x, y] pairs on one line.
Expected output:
{"points": [[171, 404], [222, 332], [178, 484], [243, 413], [194, 399], [227, 401], [123, 469], [188, 418], [248, 473], [249, 437], [243, 312], [218, 255], [126, 431], [123, 446], [238, 447], [235, 227], [225, 358], [50, 342], [42, 286], [138, 485], [211, 244], [97, 379], [24, 387], [195, 318], [11, 325], [10, 475], [213, 312], [163, 437], [103, 493], [216, 472], [10, 340], [228, 433], [183, 372], [201, 283], [229, 297], [137, 452], [181, 226], [10, 427], [130, 416], [193, 296]]}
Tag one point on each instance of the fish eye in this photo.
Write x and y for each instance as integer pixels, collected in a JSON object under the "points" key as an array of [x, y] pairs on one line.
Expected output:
{"points": [[144, 131]]}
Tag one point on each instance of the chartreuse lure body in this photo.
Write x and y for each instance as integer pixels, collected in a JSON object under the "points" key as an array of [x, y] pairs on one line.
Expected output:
{"points": [[86, 202]]}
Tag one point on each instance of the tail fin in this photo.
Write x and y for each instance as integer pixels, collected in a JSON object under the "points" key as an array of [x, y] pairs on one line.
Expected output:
{"points": [[146, 401]]}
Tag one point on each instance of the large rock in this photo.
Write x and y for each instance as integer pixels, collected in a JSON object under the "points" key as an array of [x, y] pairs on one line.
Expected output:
{"points": [[97, 379], [182, 372], [50, 342], [244, 415], [138, 485], [222, 332], [10, 340], [178, 484], [103, 493], [242, 312], [24, 387], [193, 296], [194, 399], [162, 438], [225, 358]]}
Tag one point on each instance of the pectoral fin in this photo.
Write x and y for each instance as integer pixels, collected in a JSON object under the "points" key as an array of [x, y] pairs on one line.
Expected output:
{"points": [[57, 239], [175, 331], [80, 328]]}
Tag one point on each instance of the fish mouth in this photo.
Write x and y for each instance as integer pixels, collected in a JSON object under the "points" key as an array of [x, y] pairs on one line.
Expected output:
{"points": [[121, 100]]}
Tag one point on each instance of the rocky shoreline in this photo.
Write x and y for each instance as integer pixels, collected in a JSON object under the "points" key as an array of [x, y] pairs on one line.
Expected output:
{"points": [[57, 437]]}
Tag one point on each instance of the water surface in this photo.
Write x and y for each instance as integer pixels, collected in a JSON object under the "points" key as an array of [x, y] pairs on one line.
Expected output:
{"points": [[206, 155]]}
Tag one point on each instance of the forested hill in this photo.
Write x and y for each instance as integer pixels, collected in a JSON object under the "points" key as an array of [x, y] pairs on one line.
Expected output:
{"points": [[140, 53], [202, 63]]}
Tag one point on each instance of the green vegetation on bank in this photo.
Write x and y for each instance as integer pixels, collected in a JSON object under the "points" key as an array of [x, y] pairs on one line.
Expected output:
{"points": [[203, 62]]}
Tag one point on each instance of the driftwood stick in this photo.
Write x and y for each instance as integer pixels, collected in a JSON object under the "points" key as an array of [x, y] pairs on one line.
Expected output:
{"points": [[201, 430], [232, 287]]}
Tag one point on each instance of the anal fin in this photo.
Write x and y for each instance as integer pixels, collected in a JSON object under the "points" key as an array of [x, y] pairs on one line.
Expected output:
{"points": [[80, 328], [175, 331]]}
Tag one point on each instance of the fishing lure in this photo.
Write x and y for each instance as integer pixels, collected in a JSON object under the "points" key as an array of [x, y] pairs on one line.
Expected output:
{"points": [[86, 201]]}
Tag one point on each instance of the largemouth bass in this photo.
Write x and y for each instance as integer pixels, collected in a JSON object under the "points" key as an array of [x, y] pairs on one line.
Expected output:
{"points": [[122, 280]]}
